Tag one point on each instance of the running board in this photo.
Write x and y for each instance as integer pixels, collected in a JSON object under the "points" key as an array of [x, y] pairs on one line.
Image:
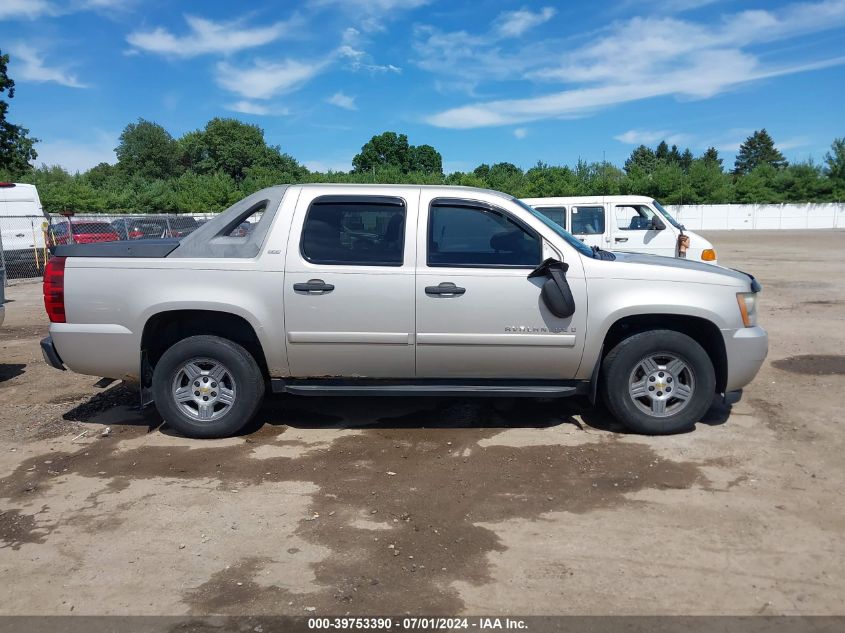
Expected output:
{"points": [[478, 388]]}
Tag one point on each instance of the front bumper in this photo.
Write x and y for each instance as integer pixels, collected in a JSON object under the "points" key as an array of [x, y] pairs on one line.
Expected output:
{"points": [[746, 350], [51, 356]]}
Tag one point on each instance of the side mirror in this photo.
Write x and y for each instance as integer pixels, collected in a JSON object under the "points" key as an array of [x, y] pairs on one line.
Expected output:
{"points": [[556, 292], [656, 224]]}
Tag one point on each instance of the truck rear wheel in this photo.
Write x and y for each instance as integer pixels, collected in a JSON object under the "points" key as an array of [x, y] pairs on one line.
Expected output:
{"points": [[658, 382], [207, 386]]}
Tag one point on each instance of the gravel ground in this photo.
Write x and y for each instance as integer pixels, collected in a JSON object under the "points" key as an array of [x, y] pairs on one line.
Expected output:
{"points": [[438, 506]]}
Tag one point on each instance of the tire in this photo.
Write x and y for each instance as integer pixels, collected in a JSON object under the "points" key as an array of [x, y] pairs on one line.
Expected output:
{"points": [[207, 386], [645, 363]]}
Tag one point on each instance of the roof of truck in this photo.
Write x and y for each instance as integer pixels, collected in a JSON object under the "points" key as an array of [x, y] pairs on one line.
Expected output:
{"points": [[406, 186], [582, 199]]}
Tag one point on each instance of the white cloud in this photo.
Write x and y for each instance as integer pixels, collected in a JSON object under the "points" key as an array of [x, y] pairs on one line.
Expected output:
{"points": [[371, 15], [342, 100], [520, 132], [515, 23], [650, 137], [263, 79], [250, 107], [75, 155], [29, 66], [350, 49], [206, 36], [29, 9], [643, 58], [32, 9]]}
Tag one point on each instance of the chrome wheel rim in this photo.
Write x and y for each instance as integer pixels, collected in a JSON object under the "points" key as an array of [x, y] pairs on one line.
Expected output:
{"points": [[661, 385], [204, 389]]}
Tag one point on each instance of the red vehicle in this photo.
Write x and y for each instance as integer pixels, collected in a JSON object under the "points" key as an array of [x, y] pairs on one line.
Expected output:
{"points": [[83, 232]]}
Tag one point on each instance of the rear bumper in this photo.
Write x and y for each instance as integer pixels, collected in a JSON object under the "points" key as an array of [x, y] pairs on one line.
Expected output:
{"points": [[51, 356], [97, 349], [746, 350]]}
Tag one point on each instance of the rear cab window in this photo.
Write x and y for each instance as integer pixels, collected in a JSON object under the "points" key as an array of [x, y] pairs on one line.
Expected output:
{"points": [[555, 214], [355, 231]]}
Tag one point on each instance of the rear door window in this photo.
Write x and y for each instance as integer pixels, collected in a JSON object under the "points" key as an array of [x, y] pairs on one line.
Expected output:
{"points": [[588, 220], [355, 231]]}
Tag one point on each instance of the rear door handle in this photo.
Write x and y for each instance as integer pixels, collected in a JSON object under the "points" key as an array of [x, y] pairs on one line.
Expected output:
{"points": [[313, 285], [621, 239], [445, 288]]}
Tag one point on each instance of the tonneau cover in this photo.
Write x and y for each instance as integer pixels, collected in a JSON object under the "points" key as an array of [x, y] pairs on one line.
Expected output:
{"points": [[131, 248]]}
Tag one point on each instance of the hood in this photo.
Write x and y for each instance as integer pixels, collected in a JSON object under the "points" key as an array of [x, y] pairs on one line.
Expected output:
{"points": [[672, 268]]}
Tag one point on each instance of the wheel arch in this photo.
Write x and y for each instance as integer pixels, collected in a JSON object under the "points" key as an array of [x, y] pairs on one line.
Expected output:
{"points": [[162, 329], [701, 330]]}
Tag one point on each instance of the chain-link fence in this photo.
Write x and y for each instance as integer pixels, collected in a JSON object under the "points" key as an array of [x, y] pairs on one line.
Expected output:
{"points": [[26, 240]]}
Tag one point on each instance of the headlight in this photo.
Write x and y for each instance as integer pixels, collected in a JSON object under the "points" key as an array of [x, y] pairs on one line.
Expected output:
{"points": [[708, 255], [747, 307]]}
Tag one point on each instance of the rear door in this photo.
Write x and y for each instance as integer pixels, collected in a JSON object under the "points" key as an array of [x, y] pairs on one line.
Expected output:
{"points": [[349, 284], [478, 314]]}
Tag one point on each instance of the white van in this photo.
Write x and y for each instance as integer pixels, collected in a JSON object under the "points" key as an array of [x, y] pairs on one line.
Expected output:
{"points": [[635, 224], [22, 224]]}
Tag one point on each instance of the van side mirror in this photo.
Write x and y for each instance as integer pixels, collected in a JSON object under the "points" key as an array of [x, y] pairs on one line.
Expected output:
{"points": [[656, 224]]}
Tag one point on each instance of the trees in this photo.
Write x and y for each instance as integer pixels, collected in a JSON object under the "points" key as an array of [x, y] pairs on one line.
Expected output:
{"points": [[758, 149], [209, 168], [233, 148], [391, 150], [425, 159], [382, 150], [16, 146], [147, 150], [835, 160], [642, 159]]}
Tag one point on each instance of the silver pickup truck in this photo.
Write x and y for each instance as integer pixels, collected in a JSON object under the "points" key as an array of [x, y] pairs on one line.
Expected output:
{"points": [[398, 290]]}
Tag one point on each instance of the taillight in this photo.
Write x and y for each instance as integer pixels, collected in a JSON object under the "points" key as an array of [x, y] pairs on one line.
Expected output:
{"points": [[54, 289]]}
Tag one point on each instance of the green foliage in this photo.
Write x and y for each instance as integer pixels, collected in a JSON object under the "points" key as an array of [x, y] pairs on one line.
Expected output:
{"points": [[211, 168], [835, 160], [16, 146], [392, 151], [757, 150], [146, 149]]}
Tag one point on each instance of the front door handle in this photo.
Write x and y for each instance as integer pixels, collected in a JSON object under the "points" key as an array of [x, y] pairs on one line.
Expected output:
{"points": [[313, 285], [621, 239], [445, 288]]}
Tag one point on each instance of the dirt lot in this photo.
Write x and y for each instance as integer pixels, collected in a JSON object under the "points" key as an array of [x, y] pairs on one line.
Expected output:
{"points": [[439, 505]]}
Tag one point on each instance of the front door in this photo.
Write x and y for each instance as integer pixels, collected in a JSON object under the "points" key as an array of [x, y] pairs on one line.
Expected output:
{"points": [[478, 314], [632, 231], [349, 285]]}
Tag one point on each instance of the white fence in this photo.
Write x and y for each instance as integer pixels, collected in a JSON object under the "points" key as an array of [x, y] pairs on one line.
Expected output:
{"points": [[760, 216]]}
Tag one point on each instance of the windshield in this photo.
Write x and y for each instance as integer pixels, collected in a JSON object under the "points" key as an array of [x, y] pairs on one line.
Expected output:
{"points": [[666, 214], [573, 241]]}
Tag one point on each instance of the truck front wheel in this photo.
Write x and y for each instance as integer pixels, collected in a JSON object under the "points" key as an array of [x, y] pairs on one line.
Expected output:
{"points": [[658, 382], [207, 386]]}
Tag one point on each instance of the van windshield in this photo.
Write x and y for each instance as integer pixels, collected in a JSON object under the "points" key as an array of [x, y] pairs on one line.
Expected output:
{"points": [[666, 214], [573, 241]]}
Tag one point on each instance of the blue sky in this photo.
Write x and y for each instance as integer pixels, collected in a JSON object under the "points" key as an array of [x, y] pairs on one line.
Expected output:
{"points": [[482, 81]]}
